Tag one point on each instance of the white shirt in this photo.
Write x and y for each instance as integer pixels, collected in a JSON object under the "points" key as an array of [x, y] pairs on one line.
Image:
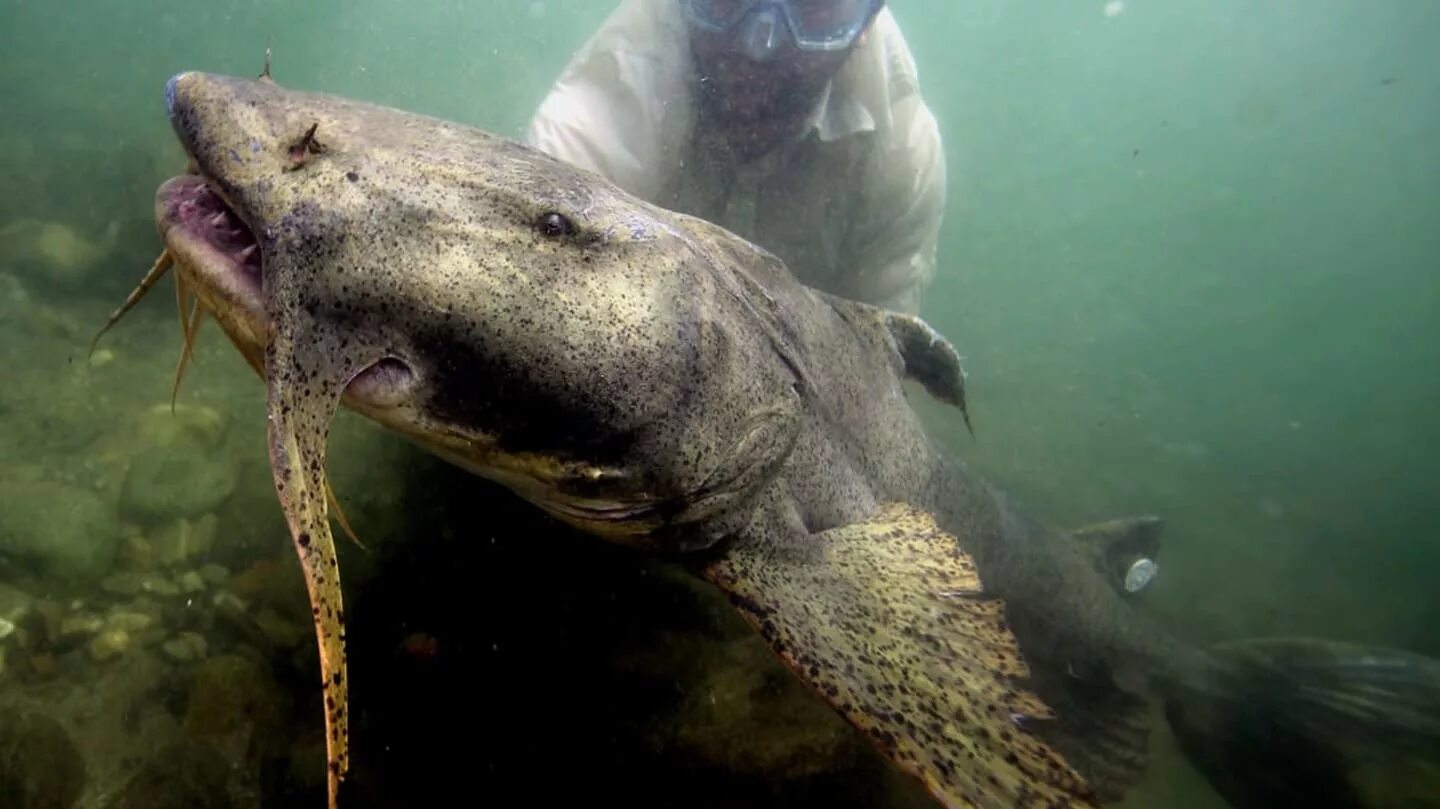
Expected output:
{"points": [[853, 207]]}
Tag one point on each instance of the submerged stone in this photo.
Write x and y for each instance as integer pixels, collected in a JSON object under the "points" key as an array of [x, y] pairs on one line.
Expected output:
{"points": [[215, 574], [749, 716], [67, 532], [195, 426], [184, 539], [55, 251], [40, 766], [185, 647], [176, 481], [190, 582], [236, 696], [15, 605], [109, 644], [180, 776]]}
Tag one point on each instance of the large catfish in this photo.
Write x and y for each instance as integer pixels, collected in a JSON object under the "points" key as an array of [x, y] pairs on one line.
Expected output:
{"points": [[660, 382]]}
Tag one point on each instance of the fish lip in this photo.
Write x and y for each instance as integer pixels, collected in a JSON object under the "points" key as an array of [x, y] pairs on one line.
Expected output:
{"points": [[611, 511], [636, 514], [629, 522]]}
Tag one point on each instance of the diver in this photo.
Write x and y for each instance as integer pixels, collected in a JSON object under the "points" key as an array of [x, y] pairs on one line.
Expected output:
{"points": [[797, 124]]}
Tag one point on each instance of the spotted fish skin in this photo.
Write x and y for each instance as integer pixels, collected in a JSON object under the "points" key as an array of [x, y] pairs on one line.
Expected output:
{"points": [[659, 382]]}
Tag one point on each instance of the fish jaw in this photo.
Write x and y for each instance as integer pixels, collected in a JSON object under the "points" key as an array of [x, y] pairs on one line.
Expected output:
{"points": [[217, 258]]}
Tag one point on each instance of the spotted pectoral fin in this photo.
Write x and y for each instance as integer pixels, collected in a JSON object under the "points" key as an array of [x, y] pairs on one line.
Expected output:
{"points": [[888, 620]]}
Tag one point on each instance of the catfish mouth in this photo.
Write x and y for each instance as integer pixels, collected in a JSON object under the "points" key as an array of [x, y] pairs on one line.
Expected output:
{"points": [[608, 516], [212, 241], [218, 262]]}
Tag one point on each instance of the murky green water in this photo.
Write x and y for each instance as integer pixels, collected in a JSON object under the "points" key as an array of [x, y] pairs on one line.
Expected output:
{"points": [[1190, 255]]}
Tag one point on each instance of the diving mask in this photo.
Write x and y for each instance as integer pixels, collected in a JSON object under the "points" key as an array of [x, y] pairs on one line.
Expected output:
{"points": [[812, 25]]}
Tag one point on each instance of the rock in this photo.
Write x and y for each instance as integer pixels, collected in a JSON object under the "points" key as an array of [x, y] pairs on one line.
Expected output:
{"points": [[229, 604], [80, 623], [54, 250], [69, 533], [132, 622], [190, 582], [109, 644], [308, 764], [52, 615], [278, 582], [184, 539], [174, 481], [138, 551], [280, 631], [235, 696], [215, 575], [13, 293], [47, 321], [746, 697], [179, 776], [44, 665], [160, 586], [40, 766], [134, 583], [101, 358], [189, 426], [123, 584], [15, 605], [185, 647]]}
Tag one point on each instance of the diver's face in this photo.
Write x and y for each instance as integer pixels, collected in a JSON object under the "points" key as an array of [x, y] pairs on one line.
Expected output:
{"points": [[745, 83]]}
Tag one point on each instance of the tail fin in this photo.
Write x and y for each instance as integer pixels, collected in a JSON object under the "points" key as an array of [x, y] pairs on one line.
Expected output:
{"points": [[1296, 722]]}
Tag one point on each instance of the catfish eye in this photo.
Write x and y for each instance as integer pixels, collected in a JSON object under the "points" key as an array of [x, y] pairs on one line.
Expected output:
{"points": [[554, 224]]}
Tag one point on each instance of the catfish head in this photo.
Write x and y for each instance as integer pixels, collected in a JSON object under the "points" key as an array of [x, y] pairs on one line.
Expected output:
{"points": [[619, 365]]}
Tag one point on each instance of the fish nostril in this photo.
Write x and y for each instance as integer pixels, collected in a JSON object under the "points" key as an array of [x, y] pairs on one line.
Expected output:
{"points": [[385, 383]]}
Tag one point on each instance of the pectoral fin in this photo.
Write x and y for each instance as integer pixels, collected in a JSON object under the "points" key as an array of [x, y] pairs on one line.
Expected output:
{"points": [[889, 621]]}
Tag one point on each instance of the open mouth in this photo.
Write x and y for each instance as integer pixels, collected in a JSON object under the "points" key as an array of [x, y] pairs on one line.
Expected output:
{"points": [[207, 235]]}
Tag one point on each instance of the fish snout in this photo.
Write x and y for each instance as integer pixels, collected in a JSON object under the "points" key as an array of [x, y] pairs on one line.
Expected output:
{"points": [[177, 87]]}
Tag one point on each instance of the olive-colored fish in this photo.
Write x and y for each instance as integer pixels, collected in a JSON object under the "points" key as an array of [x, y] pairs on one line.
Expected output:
{"points": [[662, 383]]}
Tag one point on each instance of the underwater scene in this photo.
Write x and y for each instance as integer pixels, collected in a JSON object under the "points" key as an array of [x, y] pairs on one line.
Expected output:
{"points": [[361, 445]]}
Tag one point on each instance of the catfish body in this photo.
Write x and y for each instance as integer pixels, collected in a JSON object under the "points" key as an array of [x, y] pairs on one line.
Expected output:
{"points": [[659, 382]]}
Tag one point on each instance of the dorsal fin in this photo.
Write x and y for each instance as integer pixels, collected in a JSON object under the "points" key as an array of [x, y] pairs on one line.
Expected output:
{"points": [[930, 360], [1124, 550], [927, 357]]}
